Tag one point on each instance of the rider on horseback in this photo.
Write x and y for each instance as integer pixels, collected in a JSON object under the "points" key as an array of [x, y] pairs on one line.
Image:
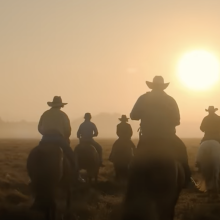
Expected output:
{"points": [[211, 125], [55, 127], [124, 132], [87, 130], [159, 115]]}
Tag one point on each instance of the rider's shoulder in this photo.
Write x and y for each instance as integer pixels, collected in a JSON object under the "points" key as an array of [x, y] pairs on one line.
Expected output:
{"points": [[143, 96], [63, 114], [46, 112], [206, 118], [92, 123], [87, 123], [170, 97]]}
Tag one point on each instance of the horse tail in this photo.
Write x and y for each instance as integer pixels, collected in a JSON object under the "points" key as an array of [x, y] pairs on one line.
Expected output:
{"points": [[153, 189], [88, 159], [44, 166], [207, 178], [208, 158]]}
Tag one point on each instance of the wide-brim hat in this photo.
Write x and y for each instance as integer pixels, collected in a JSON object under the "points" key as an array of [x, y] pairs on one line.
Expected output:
{"points": [[158, 82], [57, 102], [123, 118], [211, 109]]}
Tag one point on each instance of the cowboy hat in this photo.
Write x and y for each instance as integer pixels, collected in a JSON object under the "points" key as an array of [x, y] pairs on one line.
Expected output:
{"points": [[211, 109], [158, 82], [123, 118], [57, 102]]}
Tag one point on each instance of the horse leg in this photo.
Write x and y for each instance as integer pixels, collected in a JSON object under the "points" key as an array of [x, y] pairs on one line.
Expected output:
{"points": [[96, 178], [46, 206], [172, 211], [34, 205], [89, 177], [125, 172], [117, 175], [68, 198], [216, 182], [50, 211]]}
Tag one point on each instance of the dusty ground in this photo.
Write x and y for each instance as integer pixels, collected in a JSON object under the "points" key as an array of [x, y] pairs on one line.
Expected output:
{"points": [[99, 203]]}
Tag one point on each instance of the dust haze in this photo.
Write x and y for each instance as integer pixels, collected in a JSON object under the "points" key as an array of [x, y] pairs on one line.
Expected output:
{"points": [[105, 122], [97, 56]]}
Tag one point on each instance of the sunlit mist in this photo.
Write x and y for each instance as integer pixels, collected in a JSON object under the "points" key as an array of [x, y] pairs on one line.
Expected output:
{"points": [[199, 70]]}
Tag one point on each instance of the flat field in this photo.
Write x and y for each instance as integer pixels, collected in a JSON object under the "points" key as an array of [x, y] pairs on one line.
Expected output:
{"points": [[101, 202]]}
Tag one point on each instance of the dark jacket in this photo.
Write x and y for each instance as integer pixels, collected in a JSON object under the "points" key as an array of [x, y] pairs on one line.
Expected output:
{"points": [[124, 130], [211, 126], [158, 112]]}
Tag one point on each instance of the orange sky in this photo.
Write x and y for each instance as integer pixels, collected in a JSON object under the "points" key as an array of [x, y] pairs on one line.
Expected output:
{"points": [[97, 54]]}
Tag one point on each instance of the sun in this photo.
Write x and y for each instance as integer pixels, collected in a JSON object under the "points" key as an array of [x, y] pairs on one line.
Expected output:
{"points": [[199, 70]]}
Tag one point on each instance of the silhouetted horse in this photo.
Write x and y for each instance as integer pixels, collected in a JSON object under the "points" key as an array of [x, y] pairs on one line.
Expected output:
{"points": [[154, 185], [88, 159], [208, 161], [121, 156], [49, 169]]}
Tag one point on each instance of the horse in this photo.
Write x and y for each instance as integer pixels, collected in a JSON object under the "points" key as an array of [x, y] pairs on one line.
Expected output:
{"points": [[155, 182], [121, 156], [208, 162], [49, 169], [88, 159]]}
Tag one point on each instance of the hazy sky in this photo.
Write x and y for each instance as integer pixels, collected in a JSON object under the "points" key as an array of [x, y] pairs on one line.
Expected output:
{"points": [[97, 54]]}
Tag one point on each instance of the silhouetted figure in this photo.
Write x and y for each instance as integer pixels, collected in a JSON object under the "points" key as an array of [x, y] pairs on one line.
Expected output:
{"points": [[122, 150], [55, 127], [211, 125], [87, 130], [159, 115], [124, 132]]}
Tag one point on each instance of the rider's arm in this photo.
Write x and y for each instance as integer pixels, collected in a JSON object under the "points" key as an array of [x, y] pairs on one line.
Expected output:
{"points": [[67, 127], [95, 131], [176, 113], [202, 126], [40, 125], [130, 131], [79, 132], [136, 112], [118, 130]]}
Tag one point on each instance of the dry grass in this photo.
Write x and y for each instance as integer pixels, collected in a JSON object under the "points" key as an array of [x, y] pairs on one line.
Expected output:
{"points": [[102, 202]]}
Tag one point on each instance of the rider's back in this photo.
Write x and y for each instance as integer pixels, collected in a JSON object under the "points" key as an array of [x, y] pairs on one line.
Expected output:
{"points": [[211, 126], [159, 114], [86, 130], [124, 130], [54, 121]]}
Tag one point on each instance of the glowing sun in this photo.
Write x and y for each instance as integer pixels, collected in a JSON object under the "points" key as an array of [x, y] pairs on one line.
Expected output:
{"points": [[199, 70]]}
